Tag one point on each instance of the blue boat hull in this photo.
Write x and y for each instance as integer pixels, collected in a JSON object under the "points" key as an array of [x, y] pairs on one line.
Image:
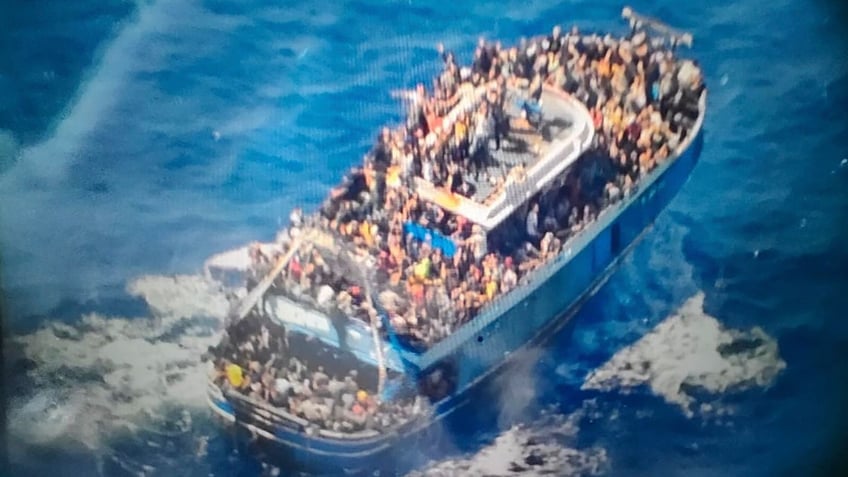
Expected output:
{"points": [[529, 316]]}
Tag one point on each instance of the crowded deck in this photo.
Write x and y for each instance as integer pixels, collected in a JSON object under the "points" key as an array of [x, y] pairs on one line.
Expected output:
{"points": [[521, 163], [420, 231]]}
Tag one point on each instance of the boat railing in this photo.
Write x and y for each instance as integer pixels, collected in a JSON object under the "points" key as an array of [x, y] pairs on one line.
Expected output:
{"points": [[506, 301], [448, 200], [241, 308], [265, 413], [574, 244], [465, 105], [563, 153], [270, 418], [366, 434]]}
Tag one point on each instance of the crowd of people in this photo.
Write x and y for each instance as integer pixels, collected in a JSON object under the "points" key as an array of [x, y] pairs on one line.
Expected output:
{"points": [[261, 360], [319, 278], [643, 102]]}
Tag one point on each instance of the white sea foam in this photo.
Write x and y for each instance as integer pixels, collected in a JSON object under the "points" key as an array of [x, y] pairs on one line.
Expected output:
{"points": [[516, 387], [245, 121], [180, 297], [543, 447], [104, 374], [233, 260], [692, 350]]}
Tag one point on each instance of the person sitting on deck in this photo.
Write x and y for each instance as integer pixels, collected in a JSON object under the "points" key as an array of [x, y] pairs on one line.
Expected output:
{"points": [[234, 374], [303, 390], [642, 101], [477, 242], [509, 278]]}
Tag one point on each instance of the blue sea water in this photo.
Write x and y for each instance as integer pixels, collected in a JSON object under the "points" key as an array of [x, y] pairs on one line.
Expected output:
{"points": [[142, 137]]}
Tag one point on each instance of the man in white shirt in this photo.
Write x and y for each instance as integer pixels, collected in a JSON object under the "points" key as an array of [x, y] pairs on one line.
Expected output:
{"points": [[532, 224], [478, 242]]}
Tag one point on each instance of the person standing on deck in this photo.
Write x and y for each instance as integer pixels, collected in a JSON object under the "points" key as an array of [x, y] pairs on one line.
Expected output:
{"points": [[478, 243], [417, 118], [482, 58], [533, 107], [555, 40], [495, 100], [447, 56], [381, 160], [484, 130], [533, 224]]}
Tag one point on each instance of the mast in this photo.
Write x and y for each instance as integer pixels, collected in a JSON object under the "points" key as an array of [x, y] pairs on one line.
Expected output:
{"points": [[381, 365], [243, 307], [373, 316], [344, 251]]}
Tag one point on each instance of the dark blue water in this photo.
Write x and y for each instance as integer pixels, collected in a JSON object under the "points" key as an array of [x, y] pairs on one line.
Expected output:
{"points": [[142, 137]]}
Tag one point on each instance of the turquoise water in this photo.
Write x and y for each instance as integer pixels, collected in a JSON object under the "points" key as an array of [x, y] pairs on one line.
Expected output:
{"points": [[142, 137]]}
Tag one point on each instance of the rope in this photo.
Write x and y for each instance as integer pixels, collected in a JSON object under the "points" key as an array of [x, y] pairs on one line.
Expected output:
{"points": [[244, 306]]}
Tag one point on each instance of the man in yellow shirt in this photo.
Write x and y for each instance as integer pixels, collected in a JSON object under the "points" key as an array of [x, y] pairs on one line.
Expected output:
{"points": [[491, 288], [422, 269], [235, 375]]}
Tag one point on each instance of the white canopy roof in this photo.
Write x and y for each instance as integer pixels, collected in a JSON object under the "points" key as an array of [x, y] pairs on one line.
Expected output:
{"points": [[520, 186]]}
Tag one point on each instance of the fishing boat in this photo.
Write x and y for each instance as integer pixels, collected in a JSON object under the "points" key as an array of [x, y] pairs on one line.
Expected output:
{"points": [[408, 381]]}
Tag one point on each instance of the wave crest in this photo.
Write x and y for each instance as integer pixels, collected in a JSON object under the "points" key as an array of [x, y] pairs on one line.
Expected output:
{"points": [[103, 374], [543, 447], [692, 351]]}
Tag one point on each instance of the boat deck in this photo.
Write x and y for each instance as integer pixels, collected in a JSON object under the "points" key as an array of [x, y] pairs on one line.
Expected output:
{"points": [[420, 389], [564, 131], [524, 145], [528, 160]]}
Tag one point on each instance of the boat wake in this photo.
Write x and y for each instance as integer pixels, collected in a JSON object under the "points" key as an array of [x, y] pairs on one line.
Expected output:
{"points": [[103, 381], [688, 353], [103, 375], [546, 446]]}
